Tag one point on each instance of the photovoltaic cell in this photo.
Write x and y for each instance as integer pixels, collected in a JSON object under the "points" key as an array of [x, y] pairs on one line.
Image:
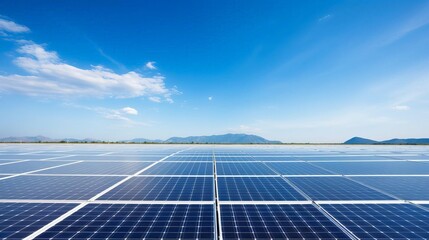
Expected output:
{"points": [[113, 158], [277, 222], [54, 187], [382, 221], [228, 168], [234, 158], [256, 189], [336, 188], [187, 158], [408, 188], [18, 220], [23, 167], [163, 189], [367, 168], [124, 168], [297, 168], [180, 168], [132, 221]]}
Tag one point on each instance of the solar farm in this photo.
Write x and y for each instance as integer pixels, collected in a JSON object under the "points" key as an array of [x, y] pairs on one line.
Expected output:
{"points": [[136, 191]]}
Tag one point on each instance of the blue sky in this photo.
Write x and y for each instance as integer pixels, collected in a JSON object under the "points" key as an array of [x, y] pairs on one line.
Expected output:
{"points": [[296, 71]]}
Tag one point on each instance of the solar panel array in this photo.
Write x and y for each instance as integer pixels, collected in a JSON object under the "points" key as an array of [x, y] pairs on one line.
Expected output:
{"points": [[100, 191]]}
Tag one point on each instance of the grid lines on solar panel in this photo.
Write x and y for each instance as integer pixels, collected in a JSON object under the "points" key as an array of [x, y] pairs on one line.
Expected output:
{"points": [[340, 158], [234, 158], [382, 221], [180, 168], [256, 189], [297, 168], [131, 221], [54, 187], [114, 158], [228, 168], [407, 187], [277, 222], [23, 167], [124, 168], [18, 220], [336, 188], [190, 158], [163, 189], [367, 168]]}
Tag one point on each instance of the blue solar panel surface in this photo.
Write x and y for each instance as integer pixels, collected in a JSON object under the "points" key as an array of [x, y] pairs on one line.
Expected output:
{"points": [[18, 220], [336, 188], [277, 222], [256, 189], [164, 188], [100, 191], [382, 221]]}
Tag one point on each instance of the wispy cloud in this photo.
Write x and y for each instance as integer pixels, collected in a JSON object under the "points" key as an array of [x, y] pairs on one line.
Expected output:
{"points": [[325, 18], [12, 27], [151, 65], [130, 110], [50, 75], [401, 108]]}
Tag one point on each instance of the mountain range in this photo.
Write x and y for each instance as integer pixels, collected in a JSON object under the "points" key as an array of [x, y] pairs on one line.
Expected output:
{"points": [[225, 138], [359, 140]]}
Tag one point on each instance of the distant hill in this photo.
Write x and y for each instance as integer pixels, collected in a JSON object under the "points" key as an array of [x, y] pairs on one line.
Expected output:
{"points": [[359, 140], [226, 138], [143, 140], [34, 139]]}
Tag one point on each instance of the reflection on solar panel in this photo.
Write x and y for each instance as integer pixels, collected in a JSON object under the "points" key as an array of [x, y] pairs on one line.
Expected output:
{"points": [[131, 221], [54, 187], [111, 168], [336, 188], [409, 188], [351, 168], [297, 168], [382, 221], [116, 191], [228, 168], [180, 168], [164, 188], [277, 222], [18, 220], [22, 167], [256, 189]]}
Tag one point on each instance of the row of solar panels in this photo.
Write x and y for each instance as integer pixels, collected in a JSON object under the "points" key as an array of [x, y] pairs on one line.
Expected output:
{"points": [[168, 221], [223, 168], [202, 188]]}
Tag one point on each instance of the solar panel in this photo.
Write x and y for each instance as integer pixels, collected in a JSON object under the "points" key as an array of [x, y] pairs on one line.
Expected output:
{"points": [[18, 220], [112, 168], [277, 222], [136, 221], [114, 158], [164, 188], [256, 189], [336, 188], [382, 221], [366, 168], [190, 158], [23, 167], [236, 158], [54, 187], [409, 188], [180, 168], [297, 168], [227, 168]]}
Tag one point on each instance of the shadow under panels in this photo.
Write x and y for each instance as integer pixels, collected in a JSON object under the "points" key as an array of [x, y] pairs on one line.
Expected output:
{"points": [[368, 168], [22, 167], [107, 168], [54, 187]]}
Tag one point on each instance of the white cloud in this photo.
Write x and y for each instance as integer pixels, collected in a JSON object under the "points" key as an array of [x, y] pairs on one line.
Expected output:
{"points": [[210, 98], [325, 18], [151, 65], [155, 99], [49, 75], [129, 110], [401, 107], [12, 27]]}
